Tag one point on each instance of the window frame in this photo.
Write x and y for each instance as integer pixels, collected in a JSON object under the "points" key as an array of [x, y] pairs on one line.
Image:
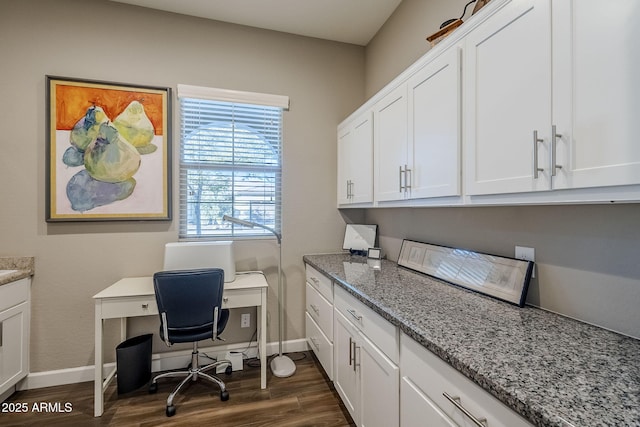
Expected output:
{"points": [[229, 99]]}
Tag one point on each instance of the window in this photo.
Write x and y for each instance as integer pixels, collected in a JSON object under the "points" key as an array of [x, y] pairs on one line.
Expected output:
{"points": [[230, 161]]}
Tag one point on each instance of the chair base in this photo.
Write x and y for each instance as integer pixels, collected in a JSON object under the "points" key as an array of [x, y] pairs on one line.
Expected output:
{"points": [[195, 371]]}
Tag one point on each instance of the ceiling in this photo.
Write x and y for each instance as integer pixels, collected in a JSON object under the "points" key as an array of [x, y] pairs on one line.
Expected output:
{"points": [[348, 21]]}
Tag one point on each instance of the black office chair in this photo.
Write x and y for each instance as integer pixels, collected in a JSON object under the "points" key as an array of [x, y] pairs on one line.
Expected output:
{"points": [[190, 308]]}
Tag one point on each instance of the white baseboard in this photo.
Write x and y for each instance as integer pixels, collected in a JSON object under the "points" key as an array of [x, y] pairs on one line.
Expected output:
{"points": [[159, 362]]}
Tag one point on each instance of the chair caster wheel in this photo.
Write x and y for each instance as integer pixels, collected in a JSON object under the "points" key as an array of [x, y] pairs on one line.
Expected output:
{"points": [[224, 395], [171, 411], [153, 388], [228, 370]]}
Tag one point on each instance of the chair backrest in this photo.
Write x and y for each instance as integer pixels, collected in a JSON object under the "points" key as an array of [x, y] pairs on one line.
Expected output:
{"points": [[188, 297]]}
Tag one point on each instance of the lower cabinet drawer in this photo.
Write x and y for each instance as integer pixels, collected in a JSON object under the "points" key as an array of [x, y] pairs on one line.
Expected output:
{"points": [[320, 282], [434, 378], [320, 310], [14, 293], [320, 344]]}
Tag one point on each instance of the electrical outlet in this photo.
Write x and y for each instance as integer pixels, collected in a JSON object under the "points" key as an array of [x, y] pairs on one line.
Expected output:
{"points": [[527, 254], [245, 320]]}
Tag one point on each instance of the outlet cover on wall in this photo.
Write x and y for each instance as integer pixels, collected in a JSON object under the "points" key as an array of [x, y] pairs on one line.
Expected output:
{"points": [[527, 254], [245, 320]]}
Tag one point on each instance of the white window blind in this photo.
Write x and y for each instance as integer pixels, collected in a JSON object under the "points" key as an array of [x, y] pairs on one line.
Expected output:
{"points": [[230, 161]]}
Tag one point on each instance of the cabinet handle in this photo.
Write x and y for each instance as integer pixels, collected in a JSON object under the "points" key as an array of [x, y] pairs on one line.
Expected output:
{"points": [[315, 343], [536, 140], [1, 328], [355, 348], [145, 306], [401, 188], [407, 178], [315, 308], [350, 350], [355, 315], [554, 142], [225, 299], [480, 422], [315, 282]]}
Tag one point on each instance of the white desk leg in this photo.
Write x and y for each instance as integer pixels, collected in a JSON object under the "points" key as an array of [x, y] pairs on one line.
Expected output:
{"points": [[98, 397], [262, 333]]}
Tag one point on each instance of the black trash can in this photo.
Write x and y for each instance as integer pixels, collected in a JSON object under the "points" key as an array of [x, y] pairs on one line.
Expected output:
{"points": [[133, 361]]}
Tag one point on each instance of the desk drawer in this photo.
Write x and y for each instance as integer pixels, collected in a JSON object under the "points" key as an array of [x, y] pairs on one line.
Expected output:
{"points": [[129, 307], [320, 310], [242, 298], [375, 327], [320, 282]]}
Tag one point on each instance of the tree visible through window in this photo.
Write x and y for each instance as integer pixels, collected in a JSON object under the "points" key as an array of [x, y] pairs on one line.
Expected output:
{"points": [[230, 164]]}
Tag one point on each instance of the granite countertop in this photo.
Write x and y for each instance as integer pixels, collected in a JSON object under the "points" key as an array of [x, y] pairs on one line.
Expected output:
{"points": [[552, 370], [24, 266]]}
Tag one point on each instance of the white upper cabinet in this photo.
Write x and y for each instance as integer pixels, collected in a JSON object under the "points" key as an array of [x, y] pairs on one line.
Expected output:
{"points": [[528, 102], [507, 100], [434, 128], [391, 163], [596, 100], [355, 161]]}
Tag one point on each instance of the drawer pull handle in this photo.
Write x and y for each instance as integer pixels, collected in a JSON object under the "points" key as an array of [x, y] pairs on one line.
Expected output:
{"points": [[145, 306], [315, 343], [225, 299], [480, 422], [355, 315], [316, 282], [315, 308]]}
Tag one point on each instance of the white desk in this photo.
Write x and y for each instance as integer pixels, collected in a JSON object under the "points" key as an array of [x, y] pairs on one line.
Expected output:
{"points": [[134, 296]]}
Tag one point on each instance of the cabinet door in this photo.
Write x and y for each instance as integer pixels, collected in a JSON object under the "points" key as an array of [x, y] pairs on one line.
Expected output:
{"points": [[417, 410], [596, 93], [379, 385], [345, 138], [345, 371], [434, 128], [361, 160], [390, 141], [14, 335], [507, 97], [355, 161]]}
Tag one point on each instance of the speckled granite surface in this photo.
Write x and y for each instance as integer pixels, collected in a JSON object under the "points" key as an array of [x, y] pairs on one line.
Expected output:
{"points": [[25, 267], [552, 370]]}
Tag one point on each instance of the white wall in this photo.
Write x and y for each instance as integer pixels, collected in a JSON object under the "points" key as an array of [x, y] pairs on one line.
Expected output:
{"points": [[109, 41], [586, 256]]}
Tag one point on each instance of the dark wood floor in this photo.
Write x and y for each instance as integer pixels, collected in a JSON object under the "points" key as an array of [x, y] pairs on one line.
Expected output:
{"points": [[305, 399]]}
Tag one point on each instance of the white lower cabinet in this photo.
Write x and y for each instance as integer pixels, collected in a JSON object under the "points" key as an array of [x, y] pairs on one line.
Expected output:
{"points": [[366, 378], [433, 393], [384, 377], [15, 309]]}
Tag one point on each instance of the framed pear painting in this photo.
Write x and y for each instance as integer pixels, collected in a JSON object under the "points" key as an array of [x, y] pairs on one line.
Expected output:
{"points": [[108, 151]]}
